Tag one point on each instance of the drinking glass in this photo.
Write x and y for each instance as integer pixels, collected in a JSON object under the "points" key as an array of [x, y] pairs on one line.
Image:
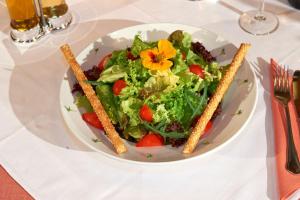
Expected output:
{"points": [[24, 21], [259, 22], [56, 13]]}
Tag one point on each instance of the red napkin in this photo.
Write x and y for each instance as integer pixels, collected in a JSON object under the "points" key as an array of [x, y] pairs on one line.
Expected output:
{"points": [[10, 189], [287, 182]]}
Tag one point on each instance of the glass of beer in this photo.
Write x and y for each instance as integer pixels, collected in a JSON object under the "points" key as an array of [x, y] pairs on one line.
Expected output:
{"points": [[56, 13], [24, 21]]}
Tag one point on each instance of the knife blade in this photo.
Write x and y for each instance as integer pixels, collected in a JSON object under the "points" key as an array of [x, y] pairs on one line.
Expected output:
{"points": [[296, 91]]}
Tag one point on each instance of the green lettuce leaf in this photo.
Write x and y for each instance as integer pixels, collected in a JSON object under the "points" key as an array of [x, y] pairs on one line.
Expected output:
{"points": [[115, 72], [161, 114], [137, 74], [82, 102], [195, 106], [214, 69], [131, 108], [213, 86], [191, 81], [118, 58], [129, 91], [181, 40], [174, 102], [186, 41], [108, 100], [179, 64], [134, 131], [193, 58], [160, 82], [139, 45], [213, 72]]}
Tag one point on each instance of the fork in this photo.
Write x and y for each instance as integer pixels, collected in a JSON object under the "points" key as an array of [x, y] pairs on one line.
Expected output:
{"points": [[283, 95]]}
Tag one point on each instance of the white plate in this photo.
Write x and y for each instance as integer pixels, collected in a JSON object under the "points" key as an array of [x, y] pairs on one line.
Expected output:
{"points": [[237, 109]]}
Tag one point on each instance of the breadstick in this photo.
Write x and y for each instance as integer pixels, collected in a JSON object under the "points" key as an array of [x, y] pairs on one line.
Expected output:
{"points": [[216, 99], [93, 99]]}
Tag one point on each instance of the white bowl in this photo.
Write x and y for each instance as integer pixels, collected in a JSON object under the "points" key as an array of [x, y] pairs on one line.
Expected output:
{"points": [[237, 107]]}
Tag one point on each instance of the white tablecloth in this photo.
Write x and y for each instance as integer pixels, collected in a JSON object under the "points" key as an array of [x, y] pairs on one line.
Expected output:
{"points": [[37, 149]]}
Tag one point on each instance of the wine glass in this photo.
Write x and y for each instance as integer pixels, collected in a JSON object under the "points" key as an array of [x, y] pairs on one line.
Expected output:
{"points": [[259, 22]]}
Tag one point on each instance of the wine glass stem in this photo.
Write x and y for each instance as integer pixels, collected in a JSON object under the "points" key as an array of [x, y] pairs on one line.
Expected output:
{"points": [[262, 6], [260, 16]]}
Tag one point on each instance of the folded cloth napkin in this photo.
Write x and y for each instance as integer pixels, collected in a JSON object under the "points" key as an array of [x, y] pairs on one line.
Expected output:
{"points": [[288, 183], [10, 189]]}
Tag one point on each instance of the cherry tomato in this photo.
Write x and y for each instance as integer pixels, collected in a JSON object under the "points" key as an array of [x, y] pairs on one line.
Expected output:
{"points": [[118, 86], [104, 61], [197, 69], [146, 113], [208, 126], [92, 119], [150, 140], [206, 130]]}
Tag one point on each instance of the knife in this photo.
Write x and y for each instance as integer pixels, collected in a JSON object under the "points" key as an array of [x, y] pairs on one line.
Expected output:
{"points": [[296, 91]]}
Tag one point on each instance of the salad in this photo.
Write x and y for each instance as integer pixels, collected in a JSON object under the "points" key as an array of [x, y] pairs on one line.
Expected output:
{"points": [[153, 92]]}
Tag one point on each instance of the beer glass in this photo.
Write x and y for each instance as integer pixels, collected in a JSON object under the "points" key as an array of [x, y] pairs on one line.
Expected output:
{"points": [[56, 13], [24, 21]]}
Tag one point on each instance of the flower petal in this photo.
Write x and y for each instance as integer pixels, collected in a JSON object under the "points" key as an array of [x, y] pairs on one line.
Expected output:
{"points": [[166, 48], [147, 63], [165, 64], [150, 65], [148, 53]]}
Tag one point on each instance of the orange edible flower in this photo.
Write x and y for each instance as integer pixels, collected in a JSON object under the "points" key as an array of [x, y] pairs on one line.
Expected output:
{"points": [[157, 58]]}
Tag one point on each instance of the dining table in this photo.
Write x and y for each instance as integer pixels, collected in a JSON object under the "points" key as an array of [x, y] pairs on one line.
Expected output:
{"points": [[40, 158]]}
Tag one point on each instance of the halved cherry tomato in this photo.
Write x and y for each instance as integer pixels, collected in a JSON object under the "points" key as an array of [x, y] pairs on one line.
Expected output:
{"points": [[150, 140], [104, 61], [197, 69], [92, 119], [206, 130], [146, 113], [130, 56], [118, 86]]}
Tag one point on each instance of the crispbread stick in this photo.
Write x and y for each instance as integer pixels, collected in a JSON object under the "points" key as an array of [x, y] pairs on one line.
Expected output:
{"points": [[216, 99], [93, 99]]}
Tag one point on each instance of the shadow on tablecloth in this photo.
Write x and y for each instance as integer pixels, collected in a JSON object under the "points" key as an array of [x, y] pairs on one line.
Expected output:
{"points": [[34, 84], [262, 71]]}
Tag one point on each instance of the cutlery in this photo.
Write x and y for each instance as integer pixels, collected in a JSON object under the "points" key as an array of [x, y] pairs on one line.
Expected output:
{"points": [[296, 91], [283, 95]]}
